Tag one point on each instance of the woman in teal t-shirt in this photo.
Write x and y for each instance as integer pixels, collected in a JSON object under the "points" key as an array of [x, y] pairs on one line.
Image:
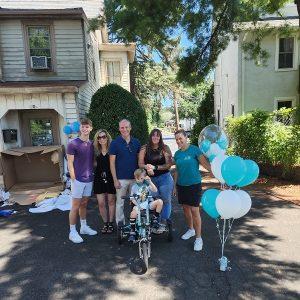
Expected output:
{"points": [[188, 184]]}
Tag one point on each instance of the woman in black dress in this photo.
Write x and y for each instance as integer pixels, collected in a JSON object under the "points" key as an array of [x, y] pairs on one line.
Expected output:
{"points": [[103, 182]]}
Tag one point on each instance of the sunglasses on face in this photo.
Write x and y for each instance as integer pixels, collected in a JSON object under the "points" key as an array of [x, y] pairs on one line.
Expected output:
{"points": [[100, 137]]}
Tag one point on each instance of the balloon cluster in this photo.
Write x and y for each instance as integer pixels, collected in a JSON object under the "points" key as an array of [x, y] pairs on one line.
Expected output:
{"points": [[212, 141], [233, 171], [73, 128]]}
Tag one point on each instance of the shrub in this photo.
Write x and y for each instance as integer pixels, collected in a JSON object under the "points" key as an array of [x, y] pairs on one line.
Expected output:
{"points": [[110, 104], [257, 136], [247, 134], [283, 145], [205, 115]]}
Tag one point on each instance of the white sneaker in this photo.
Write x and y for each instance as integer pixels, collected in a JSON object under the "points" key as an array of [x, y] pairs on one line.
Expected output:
{"points": [[75, 237], [87, 230], [188, 234], [198, 244]]}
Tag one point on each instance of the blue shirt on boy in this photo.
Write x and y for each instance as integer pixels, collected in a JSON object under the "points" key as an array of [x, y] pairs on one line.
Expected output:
{"points": [[126, 156]]}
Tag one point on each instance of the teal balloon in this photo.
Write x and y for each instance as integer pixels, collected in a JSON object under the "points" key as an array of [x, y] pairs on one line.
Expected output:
{"points": [[67, 130], [75, 126], [252, 172], [205, 145], [212, 157], [233, 170], [223, 142], [208, 201]]}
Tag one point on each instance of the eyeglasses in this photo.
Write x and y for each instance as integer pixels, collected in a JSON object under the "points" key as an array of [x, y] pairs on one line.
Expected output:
{"points": [[102, 137]]}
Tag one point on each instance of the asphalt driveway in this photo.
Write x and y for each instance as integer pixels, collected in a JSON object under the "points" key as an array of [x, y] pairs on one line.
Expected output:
{"points": [[38, 262]]}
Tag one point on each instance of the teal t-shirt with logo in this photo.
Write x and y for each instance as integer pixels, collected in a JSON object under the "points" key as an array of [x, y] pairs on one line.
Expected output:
{"points": [[187, 166]]}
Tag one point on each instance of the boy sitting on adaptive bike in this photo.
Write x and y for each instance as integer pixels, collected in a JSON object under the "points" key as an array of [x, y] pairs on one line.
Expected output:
{"points": [[142, 187]]}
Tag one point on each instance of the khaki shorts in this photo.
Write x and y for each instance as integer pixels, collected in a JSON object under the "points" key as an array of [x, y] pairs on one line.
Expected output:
{"points": [[81, 189]]}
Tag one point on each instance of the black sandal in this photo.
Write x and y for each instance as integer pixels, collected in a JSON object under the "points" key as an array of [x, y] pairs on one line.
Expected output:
{"points": [[105, 228], [110, 228]]}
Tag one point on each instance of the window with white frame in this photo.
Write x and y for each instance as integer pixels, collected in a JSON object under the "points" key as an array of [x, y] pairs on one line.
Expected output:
{"points": [[286, 48], [39, 47], [113, 72]]}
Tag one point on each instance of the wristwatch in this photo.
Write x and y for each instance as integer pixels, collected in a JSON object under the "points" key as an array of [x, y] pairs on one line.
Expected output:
{"points": [[155, 167]]}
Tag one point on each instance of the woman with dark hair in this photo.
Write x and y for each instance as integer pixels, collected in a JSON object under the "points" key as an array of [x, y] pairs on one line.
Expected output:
{"points": [[156, 158], [103, 182], [188, 184]]}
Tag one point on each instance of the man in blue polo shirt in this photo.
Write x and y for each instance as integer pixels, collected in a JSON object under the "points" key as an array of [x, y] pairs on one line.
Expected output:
{"points": [[123, 156]]}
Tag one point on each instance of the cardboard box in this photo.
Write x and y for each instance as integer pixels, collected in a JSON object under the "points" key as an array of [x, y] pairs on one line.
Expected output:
{"points": [[31, 165]]}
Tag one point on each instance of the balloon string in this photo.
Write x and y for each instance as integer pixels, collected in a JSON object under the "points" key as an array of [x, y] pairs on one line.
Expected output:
{"points": [[229, 228], [218, 227], [223, 239]]}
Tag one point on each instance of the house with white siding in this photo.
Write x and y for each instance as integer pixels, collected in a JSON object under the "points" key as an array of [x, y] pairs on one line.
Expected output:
{"points": [[242, 85], [50, 66]]}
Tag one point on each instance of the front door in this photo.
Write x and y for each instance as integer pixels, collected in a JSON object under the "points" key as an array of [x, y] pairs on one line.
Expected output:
{"points": [[40, 127]]}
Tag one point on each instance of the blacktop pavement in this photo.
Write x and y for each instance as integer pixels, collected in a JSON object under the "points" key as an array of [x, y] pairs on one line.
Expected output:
{"points": [[37, 261]]}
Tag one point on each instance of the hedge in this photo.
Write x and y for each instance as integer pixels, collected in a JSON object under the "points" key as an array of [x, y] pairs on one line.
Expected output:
{"points": [[260, 137], [110, 104]]}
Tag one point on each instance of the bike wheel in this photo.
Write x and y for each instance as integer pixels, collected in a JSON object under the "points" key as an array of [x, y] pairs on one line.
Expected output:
{"points": [[145, 255]]}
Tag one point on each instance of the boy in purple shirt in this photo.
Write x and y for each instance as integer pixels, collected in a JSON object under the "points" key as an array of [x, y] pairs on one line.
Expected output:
{"points": [[80, 153]]}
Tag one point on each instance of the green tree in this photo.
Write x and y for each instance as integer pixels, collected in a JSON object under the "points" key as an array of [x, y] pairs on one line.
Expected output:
{"points": [[190, 101], [110, 104], [208, 24], [157, 81], [205, 114], [151, 86]]}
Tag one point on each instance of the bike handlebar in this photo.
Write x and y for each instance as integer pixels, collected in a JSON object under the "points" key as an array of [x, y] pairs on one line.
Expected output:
{"points": [[134, 197]]}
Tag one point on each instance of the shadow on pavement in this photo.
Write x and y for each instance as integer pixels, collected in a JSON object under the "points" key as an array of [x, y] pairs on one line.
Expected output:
{"points": [[38, 262]]}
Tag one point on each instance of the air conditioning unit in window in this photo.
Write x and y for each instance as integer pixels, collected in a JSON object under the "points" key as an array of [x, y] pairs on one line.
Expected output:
{"points": [[39, 62]]}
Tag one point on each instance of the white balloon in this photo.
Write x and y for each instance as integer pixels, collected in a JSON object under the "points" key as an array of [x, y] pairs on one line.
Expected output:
{"points": [[215, 149], [228, 204], [216, 166], [208, 153], [222, 151], [245, 203]]}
